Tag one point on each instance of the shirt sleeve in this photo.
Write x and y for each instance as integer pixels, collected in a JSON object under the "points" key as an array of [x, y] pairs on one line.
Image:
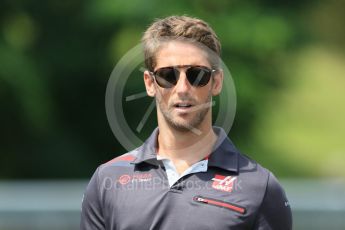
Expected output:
{"points": [[275, 212], [91, 213]]}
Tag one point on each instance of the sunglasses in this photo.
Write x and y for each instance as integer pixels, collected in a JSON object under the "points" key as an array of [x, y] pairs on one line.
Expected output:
{"points": [[167, 77]]}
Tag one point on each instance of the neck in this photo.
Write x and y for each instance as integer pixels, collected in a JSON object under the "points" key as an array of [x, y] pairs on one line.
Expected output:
{"points": [[188, 146]]}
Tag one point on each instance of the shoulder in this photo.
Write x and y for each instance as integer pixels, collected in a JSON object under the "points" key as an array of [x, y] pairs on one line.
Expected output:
{"points": [[103, 179], [273, 209], [275, 194], [260, 173], [254, 172], [117, 165], [122, 160]]}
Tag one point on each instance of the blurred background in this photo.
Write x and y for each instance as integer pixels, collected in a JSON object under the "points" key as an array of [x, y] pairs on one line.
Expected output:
{"points": [[286, 59]]}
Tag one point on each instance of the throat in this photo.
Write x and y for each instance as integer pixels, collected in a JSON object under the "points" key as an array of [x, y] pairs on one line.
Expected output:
{"points": [[184, 151]]}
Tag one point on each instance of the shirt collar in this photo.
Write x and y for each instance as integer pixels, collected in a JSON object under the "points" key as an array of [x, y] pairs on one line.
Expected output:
{"points": [[147, 152], [224, 154]]}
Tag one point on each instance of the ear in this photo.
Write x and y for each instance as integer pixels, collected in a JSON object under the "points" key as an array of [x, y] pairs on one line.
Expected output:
{"points": [[149, 84], [217, 82]]}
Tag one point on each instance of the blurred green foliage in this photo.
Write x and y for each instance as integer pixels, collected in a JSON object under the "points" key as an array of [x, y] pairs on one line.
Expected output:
{"points": [[56, 57]]}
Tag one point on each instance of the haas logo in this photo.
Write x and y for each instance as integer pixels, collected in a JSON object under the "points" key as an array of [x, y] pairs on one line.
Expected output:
{"points": [[223, 183]]}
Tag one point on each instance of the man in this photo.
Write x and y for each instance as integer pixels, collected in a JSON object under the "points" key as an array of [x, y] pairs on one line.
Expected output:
{"points": [[188, 174]]}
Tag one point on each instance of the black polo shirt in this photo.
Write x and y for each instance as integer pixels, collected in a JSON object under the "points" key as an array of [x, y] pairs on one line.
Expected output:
{"points": [[132, 192]]}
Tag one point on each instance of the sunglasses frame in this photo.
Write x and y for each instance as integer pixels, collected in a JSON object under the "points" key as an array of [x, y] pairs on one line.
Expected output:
{"points": [[177, 69]]}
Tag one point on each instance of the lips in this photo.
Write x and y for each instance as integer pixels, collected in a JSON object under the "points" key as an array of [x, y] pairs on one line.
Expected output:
{"points": [[183, 106]]}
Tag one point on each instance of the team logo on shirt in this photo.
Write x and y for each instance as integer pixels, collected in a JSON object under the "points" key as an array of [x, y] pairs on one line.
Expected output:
{"points": [[124, 179], [223, 183], [137, 177]]}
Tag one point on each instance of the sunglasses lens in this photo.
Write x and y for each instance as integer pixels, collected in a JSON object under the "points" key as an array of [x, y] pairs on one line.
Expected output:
{"points": [[166, 77], [198, 76]]}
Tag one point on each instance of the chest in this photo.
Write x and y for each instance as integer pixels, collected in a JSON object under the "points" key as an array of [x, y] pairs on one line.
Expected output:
{"points": [[197, 201]]}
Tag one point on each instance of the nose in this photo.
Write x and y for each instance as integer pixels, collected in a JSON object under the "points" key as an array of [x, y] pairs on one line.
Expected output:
{"points": [[183, 86]]}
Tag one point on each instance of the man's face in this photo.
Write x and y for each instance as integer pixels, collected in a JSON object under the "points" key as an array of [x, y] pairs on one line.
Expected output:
{"points": [[184, 106]]}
